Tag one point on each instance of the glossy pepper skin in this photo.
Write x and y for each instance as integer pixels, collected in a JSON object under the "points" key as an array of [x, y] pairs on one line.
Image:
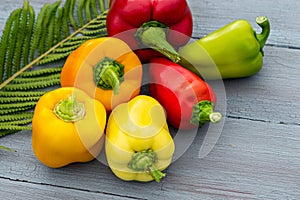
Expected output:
{"points": [[106, 69], [138, 143], [67, 127], [162, 25], [187, 99], [233, 51]]}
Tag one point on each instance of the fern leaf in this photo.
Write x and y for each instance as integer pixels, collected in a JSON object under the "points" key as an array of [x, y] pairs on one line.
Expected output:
{"points": [[28, 38], [102, 5], [71, 13], [32, 85], [4, 100], [36, 79], [12, 127], [50, 37], [99, 25], [12, 45], [41, 72], [81, 38], [6, 148], [53, 57], [71, 43], [16, 107], [99, 31], [51, 25], [58, 24], [20, 37], [66, 49], [4, 44], [88, 12], [22, 94], [38, 31], [80, 12], [16, 117], [16, 122], [94, 8]]}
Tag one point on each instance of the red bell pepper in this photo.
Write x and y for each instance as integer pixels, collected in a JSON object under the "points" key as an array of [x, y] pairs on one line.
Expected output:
{"points": [[163, 25], [188, 100]]}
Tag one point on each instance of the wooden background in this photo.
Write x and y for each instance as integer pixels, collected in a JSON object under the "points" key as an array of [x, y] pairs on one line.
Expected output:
{"points": [[256, 157]]}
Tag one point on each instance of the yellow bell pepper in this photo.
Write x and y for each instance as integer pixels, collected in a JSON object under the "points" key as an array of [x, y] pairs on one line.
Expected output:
{"points": [[138, 142], [67, 127]]}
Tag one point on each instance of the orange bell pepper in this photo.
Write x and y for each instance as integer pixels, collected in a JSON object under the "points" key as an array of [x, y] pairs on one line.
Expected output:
{"points": [[106, 69]]}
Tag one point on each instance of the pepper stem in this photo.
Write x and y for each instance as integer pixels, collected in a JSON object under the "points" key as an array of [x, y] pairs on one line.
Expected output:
{"points": [[108, 74], [203, 112], [264, 23], [153, 34], [69, 110], [144, 161]]}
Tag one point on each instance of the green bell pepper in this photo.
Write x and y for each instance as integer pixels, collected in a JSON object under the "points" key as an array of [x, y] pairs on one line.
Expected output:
{"points": [[233, 51]]}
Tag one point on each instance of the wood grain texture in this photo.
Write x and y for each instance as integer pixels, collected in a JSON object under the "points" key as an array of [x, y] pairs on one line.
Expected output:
{"points": [[211, 15], [256, 157]]}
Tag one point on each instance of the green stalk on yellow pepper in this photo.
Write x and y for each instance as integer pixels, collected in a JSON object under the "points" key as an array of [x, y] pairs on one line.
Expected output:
{"points": [[233, 51], [138, 142]]}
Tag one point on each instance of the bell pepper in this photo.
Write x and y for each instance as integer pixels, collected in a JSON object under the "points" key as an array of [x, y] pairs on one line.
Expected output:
{"points": [[188, 100], [106, 69], [67, 127], [162, 25], [233, 51], [138, 142]]}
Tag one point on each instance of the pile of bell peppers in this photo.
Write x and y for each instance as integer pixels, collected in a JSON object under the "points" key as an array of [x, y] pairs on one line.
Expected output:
{"points": [[100, 102]]}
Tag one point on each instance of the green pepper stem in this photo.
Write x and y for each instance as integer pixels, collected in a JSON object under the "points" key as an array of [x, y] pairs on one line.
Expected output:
{"points": [[155, 173], [264, 23], [69, 110], [153, 34], [144, 161], [108, 74], [203, 112]]}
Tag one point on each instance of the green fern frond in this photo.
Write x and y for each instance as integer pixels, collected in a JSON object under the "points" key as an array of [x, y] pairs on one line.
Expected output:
{"points": [[32, 85], [37, 32], [22, 94], [12, 45], [71, 43], [23, 36], [4, 43], [99, 25], [28, 38], [56, 32], [80, 12], [11, 127], [99, 31], [71, 5], [66, 49], [41, 72], [18, 99], [16, 117], [53, 57], [16, 107], [80, 38], [16, 122], [36, 79]]}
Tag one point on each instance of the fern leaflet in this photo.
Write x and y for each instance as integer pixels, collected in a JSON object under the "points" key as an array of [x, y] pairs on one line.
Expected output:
{"points": [[50, 37]]}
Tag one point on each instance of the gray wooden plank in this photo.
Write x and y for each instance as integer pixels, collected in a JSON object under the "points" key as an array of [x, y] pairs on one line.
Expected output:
{"points": [[252, 160], [273, 94], [18, 190], [211, 15]]}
